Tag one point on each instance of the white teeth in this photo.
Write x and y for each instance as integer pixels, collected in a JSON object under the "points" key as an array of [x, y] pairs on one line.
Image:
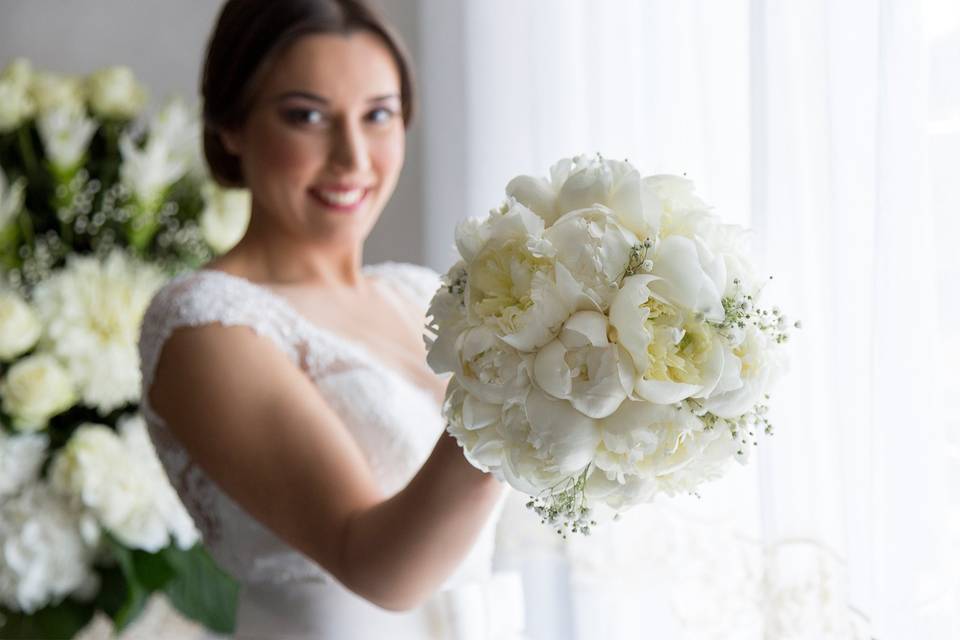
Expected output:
{"points": [[342, 198]]}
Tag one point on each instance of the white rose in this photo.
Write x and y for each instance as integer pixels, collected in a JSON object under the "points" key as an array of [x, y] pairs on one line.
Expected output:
{"points": [[34, 390], [66, 132], [115, 93], [595, 248], [690, 276], [21, 457], [52, 90], [584, 367], [20, 328], [225, 216], [490, 369], [125, 489], [515, 285], [47, 550], [11, 198]]}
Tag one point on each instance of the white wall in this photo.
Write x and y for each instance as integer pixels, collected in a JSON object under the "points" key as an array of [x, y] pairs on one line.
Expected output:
{"points": [[163, 42]]}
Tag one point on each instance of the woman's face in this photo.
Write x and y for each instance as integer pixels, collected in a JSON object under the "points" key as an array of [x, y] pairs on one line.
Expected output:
{"points": [[322, 146]]}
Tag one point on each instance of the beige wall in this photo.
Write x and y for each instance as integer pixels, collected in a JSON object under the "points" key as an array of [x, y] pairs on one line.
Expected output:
{"points": [[163, 42]]}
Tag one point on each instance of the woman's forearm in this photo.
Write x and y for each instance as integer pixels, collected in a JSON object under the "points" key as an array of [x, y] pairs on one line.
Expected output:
{"points": [[398, 552]]}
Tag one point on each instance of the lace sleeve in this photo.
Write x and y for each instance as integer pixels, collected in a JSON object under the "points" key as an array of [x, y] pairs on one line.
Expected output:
{"points": [[206, 298]]}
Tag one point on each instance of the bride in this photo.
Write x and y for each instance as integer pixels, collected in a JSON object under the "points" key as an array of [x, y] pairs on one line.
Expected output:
{"points": [[285, 385]]}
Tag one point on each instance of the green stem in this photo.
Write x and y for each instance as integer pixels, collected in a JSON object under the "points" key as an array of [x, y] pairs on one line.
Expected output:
{"points": [[29, 154]]}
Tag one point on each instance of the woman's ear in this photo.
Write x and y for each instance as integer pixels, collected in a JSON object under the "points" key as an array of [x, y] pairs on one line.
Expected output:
{"points": [[231, 141]]}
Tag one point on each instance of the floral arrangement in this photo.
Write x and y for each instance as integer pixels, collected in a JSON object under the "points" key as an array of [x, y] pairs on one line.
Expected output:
{"points": [[607, 341], [97, 210]]}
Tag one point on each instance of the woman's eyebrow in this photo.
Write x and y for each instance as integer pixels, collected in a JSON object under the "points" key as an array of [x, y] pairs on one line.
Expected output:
{"points": [[306, 95]]}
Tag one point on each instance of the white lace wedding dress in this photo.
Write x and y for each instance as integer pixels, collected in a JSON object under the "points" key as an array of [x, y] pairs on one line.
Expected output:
{"points": [[285, 595]]}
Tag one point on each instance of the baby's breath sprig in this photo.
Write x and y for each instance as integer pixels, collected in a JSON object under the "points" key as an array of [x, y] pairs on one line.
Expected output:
{"points": [[743, 428], [639, 262], [564, 506], [458, 286], [741, 309]]}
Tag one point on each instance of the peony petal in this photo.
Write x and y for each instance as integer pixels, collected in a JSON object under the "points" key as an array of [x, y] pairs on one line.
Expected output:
{"points": [[536, 194], [566, 435], [664, 391], [478, 414], [628, 315], [550, 370]]}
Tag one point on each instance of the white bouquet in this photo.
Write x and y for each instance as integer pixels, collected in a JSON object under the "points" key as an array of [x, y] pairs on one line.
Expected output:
{"points": [[606, 340], [97, 209]]}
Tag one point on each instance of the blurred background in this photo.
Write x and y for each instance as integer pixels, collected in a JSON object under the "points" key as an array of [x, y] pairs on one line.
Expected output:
{"points": [[832, 130]]}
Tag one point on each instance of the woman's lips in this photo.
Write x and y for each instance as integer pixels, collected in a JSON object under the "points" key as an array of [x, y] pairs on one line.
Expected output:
{"points": [[340, 199]]}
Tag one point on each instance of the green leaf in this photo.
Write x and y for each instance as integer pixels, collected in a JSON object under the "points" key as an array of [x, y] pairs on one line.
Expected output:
{"points": [[64, 620], [201, 590], [135, 598], [153, 570]]}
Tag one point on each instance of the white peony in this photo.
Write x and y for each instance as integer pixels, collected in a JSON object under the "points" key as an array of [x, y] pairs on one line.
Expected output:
{"points": [[226, 213], [489, 368], [47, 548], [11, 198], [757, 364], [66, 132], [21, 457], [20, 327], [584, 367], [585, 181], [595, 248], [677, 197], [114, 92], [120, 481], [690, 276], [92, 311], [515, 285], [34, 390], [475, 425], [52, 90], [448, 319]]}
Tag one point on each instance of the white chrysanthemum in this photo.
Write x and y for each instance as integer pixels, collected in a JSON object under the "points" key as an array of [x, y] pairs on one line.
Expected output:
{"points": [[120, 481], [34, 390], [226, 213], [21, 457], [92, 311], [66, 132], [11, 196], [20, 327], [115, 93], [47, 548]]}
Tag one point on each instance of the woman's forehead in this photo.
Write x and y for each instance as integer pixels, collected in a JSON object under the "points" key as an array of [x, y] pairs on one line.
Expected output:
{"points": [[356, 66]]}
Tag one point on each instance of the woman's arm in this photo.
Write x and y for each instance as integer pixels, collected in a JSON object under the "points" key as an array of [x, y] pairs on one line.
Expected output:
{"points": [[259, 428]]}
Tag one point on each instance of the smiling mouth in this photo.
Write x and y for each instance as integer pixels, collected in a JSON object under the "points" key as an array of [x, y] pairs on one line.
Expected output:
{"points": [[339, 199]]}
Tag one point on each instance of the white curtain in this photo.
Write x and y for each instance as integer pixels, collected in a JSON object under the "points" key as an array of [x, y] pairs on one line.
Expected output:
{"points": [[832, 129]]}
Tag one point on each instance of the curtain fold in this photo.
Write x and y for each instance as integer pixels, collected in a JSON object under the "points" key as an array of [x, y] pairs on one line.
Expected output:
{"points": [[807, 121]]}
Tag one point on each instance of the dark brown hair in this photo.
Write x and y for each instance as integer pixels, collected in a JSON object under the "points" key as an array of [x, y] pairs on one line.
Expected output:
{"points": [[249, 35]]}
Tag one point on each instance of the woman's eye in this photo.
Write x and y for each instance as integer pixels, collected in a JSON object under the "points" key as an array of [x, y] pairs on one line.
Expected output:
{"points": [[304, 116], [380, 115]]}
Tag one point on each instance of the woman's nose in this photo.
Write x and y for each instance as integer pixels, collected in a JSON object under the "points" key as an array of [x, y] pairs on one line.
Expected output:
{"points": [[350, 152]]}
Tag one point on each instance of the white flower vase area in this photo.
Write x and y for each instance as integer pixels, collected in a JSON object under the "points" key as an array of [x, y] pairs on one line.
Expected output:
{"points": [[99, 206]]}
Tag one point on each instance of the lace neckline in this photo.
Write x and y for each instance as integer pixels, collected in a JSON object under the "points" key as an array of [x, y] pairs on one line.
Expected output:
{"points": [[354, 347]]}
